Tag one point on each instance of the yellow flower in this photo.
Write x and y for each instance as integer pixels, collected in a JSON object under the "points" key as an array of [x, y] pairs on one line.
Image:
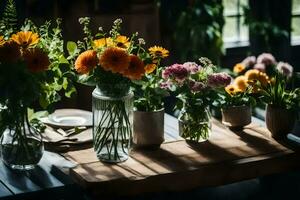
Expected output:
{"points": [[252, 74], [241, 83], [158, 52], [135, 69], [239, 68], [115, 60], [2, 41], [25, 39], [103, 42], [149, 68], [263, 79], [232, 90], [122, 42], [36, 60], [86, 61]]}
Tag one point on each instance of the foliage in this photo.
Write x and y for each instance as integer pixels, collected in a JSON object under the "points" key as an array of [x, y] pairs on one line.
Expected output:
{"points": [[8, 22]]}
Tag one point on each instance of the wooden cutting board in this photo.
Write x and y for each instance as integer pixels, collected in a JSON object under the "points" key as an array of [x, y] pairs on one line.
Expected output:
{"points": [[179, 165]]}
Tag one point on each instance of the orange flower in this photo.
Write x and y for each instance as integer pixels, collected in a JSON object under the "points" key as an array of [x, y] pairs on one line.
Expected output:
{"points": [[115, 60], [252, 74], [239, 68], [158, 52], [241, 83], [136, 69], [103, 42], [149, 68], [25, 38], [9, 52], [122, 42], [232, 90], [86, 61], [36, 60], [263, 79], [2, 41]]}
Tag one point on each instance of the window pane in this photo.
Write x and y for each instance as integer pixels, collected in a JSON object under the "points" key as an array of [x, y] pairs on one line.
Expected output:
{"points": [[296, 6], [296, 28], [230, 7], [244, 34], [230, 29]]}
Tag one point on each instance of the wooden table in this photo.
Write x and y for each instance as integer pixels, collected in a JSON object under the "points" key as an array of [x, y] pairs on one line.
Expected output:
{"points": [[179, 165]]}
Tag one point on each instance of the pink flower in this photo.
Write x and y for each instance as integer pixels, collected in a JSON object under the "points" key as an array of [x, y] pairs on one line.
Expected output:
{"points": [[285, 68], [249, 61], [192, 67], [216, 80], [196, 86], [267, 59], [260, 67], [176, 71]]}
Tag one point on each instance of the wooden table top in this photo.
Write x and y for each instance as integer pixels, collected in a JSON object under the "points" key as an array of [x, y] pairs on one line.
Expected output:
{"points": [[179, 165]]}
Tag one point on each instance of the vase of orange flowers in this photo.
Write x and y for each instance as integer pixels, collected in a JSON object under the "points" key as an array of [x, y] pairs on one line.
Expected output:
{"points": [[25, 79], [110, 63]]}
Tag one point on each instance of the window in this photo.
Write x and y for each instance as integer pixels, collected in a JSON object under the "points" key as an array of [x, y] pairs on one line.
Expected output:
{"points": [[234, 31], [295, 20]]}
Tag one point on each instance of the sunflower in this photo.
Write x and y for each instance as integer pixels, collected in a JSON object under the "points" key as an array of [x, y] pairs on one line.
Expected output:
{"points": [[25, 38], [2, 41], [232, 90], [115, 60], [9, 52], [86, 61], [149, 68], [103, 42], [239, 68], [158, 52], [136, 68], [122, 42], [36, 60], [252, 74], [241, 83]]}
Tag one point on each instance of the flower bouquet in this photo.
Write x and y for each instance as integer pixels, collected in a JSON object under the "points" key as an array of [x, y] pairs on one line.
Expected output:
{"points": [[195, 85], [148, 116], [110, 61], [31, 71]]}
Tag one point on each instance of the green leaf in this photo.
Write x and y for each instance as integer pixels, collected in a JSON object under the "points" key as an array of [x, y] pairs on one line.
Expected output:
{"points": [[71, 47]]}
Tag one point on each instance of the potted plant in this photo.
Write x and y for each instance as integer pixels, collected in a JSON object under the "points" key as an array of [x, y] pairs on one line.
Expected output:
{"points": [[31, 71], [110, 61], [148, 116], [236, 102], [195, 85]]}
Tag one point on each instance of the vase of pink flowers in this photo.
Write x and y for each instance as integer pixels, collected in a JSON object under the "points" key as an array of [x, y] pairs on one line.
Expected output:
{"points": [[195, 86]]}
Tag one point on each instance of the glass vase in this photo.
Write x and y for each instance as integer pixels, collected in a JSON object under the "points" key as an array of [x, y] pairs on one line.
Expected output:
{"points": [[112, 124], [21, 145], [195, 127]]}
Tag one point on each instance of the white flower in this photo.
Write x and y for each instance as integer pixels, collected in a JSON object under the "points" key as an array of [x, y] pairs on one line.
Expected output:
{"points": [[285, 68]]}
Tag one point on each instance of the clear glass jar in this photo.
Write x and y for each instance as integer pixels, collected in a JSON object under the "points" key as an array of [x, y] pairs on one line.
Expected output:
{"points": [[112, 125], [21, 146], [195, 127]]}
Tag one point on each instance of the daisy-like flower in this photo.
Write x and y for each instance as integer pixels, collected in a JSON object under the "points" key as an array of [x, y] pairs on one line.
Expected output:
{"points": [[149, 68], [241, 83], [263, 78], [122, 42], [252, 74], [239, 68], [103, 42], [232, 90], [86, 61], [115, 60], [285, 68], [136, 70], [158, 52], [25, 39], [36, 60], [2, 41], [9, 52]]}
